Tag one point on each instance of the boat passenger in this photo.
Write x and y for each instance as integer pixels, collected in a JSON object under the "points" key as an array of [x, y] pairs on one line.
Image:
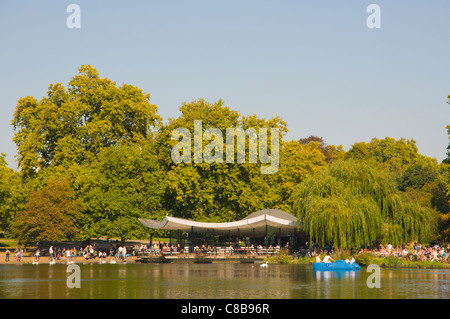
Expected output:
{"points": [[327, 259]]}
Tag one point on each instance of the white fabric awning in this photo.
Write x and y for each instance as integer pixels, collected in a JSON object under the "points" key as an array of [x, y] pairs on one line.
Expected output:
{"points": [[255, 224]]}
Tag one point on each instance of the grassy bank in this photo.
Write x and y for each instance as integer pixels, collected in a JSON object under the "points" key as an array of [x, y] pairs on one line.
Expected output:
{"points": [[9, 243]]}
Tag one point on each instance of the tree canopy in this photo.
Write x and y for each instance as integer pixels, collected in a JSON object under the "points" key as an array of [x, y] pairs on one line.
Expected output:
{"points": [[12, 194], [52, 214], [95, 156], [73, 125], [124, 183], [230, 191]]}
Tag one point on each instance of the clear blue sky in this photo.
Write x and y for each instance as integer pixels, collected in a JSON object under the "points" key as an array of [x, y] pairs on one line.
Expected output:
{"points": [[314, 63]]}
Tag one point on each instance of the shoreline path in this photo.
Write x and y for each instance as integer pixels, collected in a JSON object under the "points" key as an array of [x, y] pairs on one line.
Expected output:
{"points": [[44, 260]]}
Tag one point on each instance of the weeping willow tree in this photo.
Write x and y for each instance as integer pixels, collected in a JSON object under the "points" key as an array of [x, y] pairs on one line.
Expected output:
{"points": [[353, 203]]}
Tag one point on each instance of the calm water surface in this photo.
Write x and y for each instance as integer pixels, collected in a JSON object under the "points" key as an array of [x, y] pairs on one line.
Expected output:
{"points": [[236, 281]]}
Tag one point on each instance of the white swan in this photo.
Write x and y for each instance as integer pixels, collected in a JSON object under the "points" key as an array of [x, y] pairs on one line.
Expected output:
{"points": [[35, 262], [112, 262], [52, 262], [265, 264], [70, 262]]}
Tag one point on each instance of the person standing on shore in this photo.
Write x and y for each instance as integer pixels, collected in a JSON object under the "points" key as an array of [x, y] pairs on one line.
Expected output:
{"points": [[389, 248], [50, 253], [7, 255]]}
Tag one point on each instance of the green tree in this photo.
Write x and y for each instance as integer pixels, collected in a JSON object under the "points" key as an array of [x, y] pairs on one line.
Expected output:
{"points": [[125, 183], [417, 175], [12, 194], [227, 191], [445, 227], [425, 183], [396, 154], [73, 125], [297, 162], [353, 203]]}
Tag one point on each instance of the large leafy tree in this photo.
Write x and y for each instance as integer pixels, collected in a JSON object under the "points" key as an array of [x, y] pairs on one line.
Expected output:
{"points": [[211, 191], [354, 203], [73, 125], [445, 227], [395, 154], [12, 194], [426, 183], [418, 176], [125, 183], [51, 214], [93, 134], [297, 162], [221, 191]]}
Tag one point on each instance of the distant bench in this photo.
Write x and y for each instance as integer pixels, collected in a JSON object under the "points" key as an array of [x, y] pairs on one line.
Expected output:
{"points": [[264, 251]]}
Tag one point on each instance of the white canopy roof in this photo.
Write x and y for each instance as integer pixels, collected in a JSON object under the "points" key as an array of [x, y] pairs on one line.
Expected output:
{"points": [[254, 224]]}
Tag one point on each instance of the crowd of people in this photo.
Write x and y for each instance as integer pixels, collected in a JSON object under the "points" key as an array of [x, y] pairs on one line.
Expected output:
{"points": [[68, 254], [417, 252], [155, 248], [163, 248], [18, 253]]}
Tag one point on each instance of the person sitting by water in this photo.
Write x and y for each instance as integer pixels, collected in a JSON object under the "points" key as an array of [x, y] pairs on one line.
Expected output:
{"points": [[389, 248], [328, 258]]}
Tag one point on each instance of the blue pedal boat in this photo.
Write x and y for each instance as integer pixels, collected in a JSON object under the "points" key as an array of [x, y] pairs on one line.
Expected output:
{"points": [[337, 265]]}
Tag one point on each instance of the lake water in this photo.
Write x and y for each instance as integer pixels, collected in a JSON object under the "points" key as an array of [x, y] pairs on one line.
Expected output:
{"points": [[216, 281]]}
